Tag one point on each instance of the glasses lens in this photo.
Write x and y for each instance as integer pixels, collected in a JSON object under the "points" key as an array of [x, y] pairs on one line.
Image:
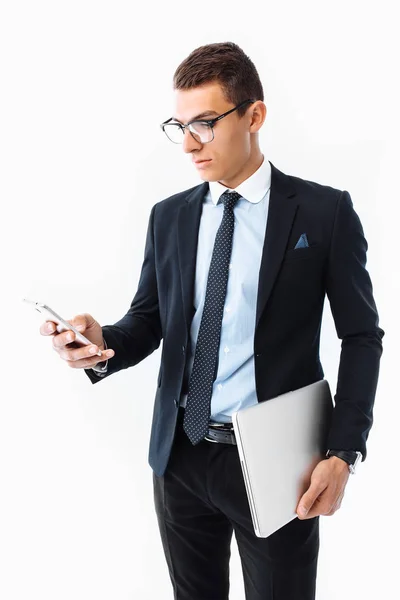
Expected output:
{"points": [[174, 133], [201, 132]]}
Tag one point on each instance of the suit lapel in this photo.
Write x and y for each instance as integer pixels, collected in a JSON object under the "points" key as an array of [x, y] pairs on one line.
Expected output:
{"points": [[188, 219], [281, 212]]}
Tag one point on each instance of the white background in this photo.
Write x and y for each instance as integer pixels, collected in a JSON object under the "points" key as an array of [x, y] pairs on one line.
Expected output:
{"points": [[84, 87]]}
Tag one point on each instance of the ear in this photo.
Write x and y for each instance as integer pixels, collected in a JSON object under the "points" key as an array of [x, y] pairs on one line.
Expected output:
{"points": [[258, 112]]}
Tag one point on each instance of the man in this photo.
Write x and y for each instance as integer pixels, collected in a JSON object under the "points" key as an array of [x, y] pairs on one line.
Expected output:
{"points": [[234, 278]]}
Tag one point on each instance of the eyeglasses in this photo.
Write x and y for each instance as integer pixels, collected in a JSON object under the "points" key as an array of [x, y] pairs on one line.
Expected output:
{"points": [[201, 130]]}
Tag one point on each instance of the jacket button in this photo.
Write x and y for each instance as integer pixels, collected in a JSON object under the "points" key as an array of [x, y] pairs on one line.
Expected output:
{"points": [[176, 402], [183, 349], [258, 354]]}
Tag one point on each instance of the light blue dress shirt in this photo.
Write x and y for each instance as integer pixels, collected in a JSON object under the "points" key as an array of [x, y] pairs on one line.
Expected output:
{"points": [[234, 387]]}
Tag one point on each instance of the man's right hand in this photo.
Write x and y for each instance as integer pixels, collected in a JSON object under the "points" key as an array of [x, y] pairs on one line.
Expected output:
{"points": [[76, 355]]}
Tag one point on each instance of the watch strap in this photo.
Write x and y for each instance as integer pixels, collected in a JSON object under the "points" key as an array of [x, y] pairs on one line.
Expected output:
{"points": [[352, 457]]}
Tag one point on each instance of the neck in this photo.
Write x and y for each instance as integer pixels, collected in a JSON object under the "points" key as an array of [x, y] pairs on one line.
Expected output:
{"points": [[245, 172]]}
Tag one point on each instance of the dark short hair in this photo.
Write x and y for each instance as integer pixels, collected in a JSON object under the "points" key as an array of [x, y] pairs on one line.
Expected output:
{"points": [[225, 63]]}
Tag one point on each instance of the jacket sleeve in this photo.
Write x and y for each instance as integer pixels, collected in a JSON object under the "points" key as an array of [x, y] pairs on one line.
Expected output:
{"points": [[350, 293], [138, 333]]}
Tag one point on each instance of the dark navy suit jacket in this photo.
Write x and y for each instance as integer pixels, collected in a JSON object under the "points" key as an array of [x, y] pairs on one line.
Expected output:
{"points": [[291, 290]]}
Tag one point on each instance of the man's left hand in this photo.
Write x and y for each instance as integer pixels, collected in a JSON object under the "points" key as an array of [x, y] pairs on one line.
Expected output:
{"points": [[326, 491]]}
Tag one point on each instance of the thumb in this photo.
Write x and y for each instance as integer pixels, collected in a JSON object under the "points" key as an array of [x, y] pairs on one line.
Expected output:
{"points": [[79, 322], [307, 500]]}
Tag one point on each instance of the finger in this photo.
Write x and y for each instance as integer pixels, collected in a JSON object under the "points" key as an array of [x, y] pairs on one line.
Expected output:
{"points": [[62, 339], [90, 361], [315, 511], [324, 505], [87, 351], [82, 322], [336, 505], [47, 328], [333, 510], [68, 337]]}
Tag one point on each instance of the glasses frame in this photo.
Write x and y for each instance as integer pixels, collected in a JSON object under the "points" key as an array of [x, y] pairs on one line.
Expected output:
{"points": [[209, 122]]}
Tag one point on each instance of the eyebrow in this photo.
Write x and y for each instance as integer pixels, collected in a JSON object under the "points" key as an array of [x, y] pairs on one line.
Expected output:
{"points": [[206, 113]]}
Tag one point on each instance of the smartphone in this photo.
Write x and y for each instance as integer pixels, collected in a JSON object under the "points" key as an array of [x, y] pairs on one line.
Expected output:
{"points": [[61, 324]]}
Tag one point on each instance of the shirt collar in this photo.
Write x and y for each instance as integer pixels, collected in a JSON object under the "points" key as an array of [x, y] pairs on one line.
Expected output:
{"points": [[252, 189]]}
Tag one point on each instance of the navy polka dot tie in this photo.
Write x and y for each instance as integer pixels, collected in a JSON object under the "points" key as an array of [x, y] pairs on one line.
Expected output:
{"points": [[197, 412]]}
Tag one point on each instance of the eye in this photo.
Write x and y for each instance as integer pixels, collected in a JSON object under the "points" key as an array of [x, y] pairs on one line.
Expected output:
{"points": [[200, 126]]}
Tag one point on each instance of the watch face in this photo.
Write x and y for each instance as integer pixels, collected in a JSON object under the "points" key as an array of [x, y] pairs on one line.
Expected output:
{"points": [[358, 457]]}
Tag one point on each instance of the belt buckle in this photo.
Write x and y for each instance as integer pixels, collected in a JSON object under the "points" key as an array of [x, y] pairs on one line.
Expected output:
{"points": [[210, 440], [216, 426], [222, 428]]}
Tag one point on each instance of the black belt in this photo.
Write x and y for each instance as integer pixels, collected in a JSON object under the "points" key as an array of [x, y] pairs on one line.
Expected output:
{"points": [[222, 433]]}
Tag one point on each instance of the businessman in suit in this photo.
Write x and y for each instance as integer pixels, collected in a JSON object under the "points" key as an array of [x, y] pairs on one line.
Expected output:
{"points": [[233, 281]]}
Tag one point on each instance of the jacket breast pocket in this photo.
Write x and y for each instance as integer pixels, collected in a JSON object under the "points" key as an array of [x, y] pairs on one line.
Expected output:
{"points": [[300, 281], [303, 253]]}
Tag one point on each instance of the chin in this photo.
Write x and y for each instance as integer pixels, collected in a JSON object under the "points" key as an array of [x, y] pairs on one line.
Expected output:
{"points": [[208, 176]]}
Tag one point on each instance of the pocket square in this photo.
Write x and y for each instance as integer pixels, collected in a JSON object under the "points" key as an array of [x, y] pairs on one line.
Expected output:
{"points": [[303, 242]]}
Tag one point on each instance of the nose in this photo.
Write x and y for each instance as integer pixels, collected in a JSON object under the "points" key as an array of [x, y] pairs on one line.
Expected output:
{"points": [[189, 143]]}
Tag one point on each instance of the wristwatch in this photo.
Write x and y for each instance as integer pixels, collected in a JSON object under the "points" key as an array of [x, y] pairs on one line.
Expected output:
{"points": [[101, 367], [352, 457]]}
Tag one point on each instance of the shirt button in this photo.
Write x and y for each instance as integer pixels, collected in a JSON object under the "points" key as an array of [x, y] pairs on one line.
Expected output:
{"points": [[228, 309], [226, 349], [219, 386]]}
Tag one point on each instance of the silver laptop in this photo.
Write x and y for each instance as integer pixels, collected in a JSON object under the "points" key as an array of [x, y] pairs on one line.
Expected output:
{"points": [[280, 441]]}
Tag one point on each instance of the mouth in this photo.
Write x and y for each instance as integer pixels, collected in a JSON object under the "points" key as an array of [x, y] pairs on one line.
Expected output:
{"points": [[202, 162]]}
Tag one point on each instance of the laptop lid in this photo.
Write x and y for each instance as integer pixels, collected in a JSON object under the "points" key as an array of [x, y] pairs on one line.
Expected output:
{"points": [[280, 441]]}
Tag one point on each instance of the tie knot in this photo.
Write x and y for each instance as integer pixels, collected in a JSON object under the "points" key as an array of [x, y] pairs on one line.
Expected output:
{"points": [[229, 199]]}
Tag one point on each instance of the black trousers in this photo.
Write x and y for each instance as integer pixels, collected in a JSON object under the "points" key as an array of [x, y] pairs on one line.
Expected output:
{"points": [[200, 501]]}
